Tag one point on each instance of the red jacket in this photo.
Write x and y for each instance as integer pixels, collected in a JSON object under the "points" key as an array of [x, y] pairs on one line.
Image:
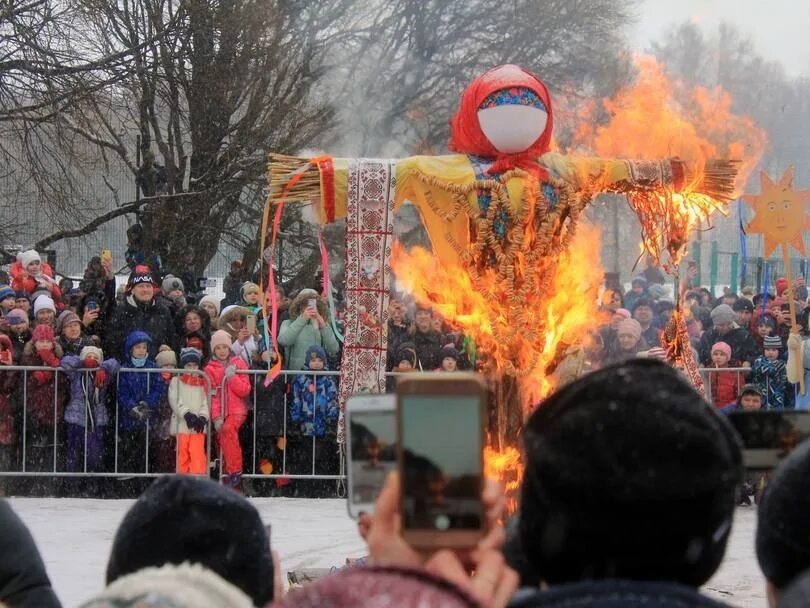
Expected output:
{"points": [[45, 389], [724, 387], [236, 389], [22, 281]]}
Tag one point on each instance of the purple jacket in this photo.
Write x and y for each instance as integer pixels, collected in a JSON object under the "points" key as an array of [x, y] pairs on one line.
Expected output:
{"points": [[86, 401]]}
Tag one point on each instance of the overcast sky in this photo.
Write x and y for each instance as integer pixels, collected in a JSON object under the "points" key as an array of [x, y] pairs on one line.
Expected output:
{"points": [[780, 28]]}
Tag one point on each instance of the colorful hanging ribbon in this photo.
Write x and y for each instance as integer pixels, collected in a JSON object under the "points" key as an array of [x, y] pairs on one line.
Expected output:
{"points": [[324, 164]]}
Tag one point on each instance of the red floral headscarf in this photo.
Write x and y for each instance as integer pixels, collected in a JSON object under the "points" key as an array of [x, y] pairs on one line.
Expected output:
{"points": [[466, 135]]}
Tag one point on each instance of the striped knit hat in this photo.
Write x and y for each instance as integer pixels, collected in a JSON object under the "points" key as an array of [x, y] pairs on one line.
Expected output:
{"points": [[772, 342]]}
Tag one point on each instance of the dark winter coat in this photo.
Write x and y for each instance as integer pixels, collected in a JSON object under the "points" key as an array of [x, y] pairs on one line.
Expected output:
{"points": [[18, 343], [74, 347], [428, 349], [86, 402], [269, 400], [23, 579], [743, 346], [614, 594], [106, 303], [150, 317], [45, 389], [134, 387]]}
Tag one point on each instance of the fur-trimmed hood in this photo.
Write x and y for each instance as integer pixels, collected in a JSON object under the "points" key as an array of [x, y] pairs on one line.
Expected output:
{"points": [[298, 305]]}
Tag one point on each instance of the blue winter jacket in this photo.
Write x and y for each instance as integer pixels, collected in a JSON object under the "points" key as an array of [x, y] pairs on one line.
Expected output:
{"points": [[314, 407], [134, 387], [87, 403]]}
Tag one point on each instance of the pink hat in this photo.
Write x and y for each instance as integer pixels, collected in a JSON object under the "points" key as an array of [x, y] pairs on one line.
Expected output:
{"points": [[629, 327], [722, 347], [622, 312], [220, 337]]}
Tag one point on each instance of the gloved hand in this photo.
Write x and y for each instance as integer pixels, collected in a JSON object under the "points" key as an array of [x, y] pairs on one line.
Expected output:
{"points": [[218, 424], [191, 420], [140, 412], [202, 423], [101, 378], [42, 377], [48, 357], [230, 371]]}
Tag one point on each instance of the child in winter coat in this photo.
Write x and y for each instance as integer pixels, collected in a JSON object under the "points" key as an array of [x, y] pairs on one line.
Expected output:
{"points": [[189, 400], [19, 331], [29, 273], [229, 403], [86, 414], [723, 386], [270, 406], [769, 374], [139, 394], [45, 398], [449, 357], [313, 417], [252, 300]]}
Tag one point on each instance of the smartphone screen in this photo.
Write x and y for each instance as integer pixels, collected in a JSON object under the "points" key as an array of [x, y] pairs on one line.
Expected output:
{"points": [[371, 436], [441, 462], [770, 436], [373, 453]]}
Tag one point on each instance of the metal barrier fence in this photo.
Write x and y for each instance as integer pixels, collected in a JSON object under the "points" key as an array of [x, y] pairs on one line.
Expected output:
{"points": [[714, 376], [23, 391], [276, 448]]}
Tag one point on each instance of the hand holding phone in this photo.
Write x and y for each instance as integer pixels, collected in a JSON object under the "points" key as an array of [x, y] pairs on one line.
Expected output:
{"points": [[493, 583]]}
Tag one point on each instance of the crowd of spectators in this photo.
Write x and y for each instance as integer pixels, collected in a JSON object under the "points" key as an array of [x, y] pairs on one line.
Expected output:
{"points": [[746, 337], [186, 359], [607, 518]]}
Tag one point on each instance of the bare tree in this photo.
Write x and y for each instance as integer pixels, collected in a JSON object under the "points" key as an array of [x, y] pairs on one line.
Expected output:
{"points": [[405, 75]]}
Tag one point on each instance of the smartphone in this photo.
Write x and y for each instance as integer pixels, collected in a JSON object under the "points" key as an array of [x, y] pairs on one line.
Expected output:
{"points": [[371, 435], [440, 424], [106, 255], [91, 305], [250, 324], [769, 436], [311, 303]]}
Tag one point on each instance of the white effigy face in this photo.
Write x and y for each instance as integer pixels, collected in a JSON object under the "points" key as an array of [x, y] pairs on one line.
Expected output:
{"points": [[512, 128]]}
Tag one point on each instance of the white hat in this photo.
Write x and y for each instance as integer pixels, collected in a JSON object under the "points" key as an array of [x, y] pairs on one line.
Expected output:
{"points": [[211, 299], [26, 257], [44, 302], [91, 351]]}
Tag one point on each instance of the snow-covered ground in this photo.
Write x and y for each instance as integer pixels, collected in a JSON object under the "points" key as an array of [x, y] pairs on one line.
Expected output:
{"points": [[75, 536]]}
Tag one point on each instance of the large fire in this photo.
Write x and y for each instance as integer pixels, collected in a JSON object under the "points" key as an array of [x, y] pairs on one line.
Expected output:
{"points": [[654, 118], [658, 117], [510, 342]]}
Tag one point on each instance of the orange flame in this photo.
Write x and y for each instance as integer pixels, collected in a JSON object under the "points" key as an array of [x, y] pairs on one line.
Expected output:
{"points": [[656, 118], [505, 466], [523, 343]]}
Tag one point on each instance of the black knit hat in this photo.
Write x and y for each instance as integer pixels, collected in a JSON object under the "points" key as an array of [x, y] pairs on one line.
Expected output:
{"points": [[629, 474], [185, 519], [783, 525], [140, 274]]}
